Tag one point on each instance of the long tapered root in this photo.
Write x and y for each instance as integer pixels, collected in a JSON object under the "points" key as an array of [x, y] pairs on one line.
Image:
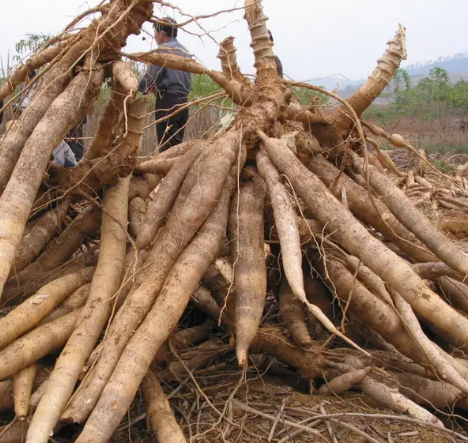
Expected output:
{"points": [[159, 411], [282, 248]]}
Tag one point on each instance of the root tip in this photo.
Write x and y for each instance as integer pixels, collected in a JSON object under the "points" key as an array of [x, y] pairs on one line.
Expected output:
{"points": [[242, 357]]}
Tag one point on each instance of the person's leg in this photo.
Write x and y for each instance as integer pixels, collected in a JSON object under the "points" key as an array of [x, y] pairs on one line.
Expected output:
{"points": [[171, 131], [162, 133], [177, 127], [161, 111], [77, 149], [76, 142], [69, 164]]}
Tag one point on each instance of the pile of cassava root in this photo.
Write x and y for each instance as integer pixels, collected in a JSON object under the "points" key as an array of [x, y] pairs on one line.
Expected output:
{"points": [[285, 237]]}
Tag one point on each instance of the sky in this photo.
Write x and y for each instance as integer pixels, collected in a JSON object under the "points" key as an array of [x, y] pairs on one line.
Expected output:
{"points": [[313, 38]]}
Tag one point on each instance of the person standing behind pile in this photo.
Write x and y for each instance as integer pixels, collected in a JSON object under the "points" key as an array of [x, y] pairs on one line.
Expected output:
{"points": [[279, 65], [75, 139], [64, 156], [170, 87]]}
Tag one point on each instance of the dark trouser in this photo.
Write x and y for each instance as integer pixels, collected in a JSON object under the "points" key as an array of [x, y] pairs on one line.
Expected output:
{"points": [[68, 164], [77, 148], [170, 132], [75, 140]]}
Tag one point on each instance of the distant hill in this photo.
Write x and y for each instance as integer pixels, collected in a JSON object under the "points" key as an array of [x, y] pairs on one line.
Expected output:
{"points": [[333, 82], [456, 66]]}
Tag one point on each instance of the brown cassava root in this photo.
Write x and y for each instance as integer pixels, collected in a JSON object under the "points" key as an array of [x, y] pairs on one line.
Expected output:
{"points": [[35, 240], [168, 308], [17, 199], [246, 234], [159, 411], [32, 311], [280, 236], [36, 344], [22, 388], [357, 240], [94, 315], [168, 246]]}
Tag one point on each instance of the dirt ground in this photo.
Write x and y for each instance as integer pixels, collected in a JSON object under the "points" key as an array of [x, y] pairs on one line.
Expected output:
{"points": [[263, 408], [274, 406]]}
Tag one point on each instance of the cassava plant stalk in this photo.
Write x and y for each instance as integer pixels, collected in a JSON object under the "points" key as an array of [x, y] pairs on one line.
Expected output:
{"points": [[108, 126], [125, 75], [21, 72], [376, 83]]}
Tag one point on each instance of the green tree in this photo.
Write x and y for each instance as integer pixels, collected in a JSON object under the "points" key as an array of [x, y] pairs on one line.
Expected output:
{"points": [[31, 43], [430, 98], [400, 78], [459, 97], [202, 86]]}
